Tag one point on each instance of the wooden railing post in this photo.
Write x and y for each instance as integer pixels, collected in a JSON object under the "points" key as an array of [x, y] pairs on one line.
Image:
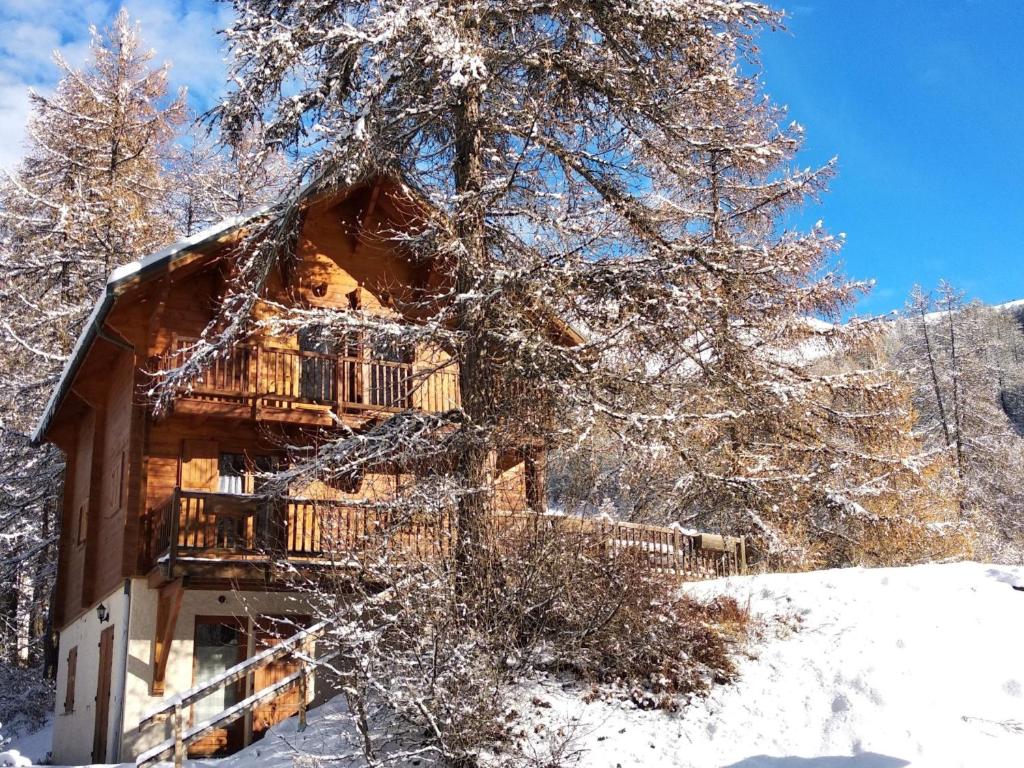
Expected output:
{"points": [[179, 744], [173, 523], [254, 387], [303, 695], [339, 389]]}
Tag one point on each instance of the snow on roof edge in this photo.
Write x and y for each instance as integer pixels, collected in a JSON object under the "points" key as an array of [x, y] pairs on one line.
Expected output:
{"points": [[119, 275]]}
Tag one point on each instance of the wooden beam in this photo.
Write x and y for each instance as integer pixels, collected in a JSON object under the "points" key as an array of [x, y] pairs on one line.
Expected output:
{"points": [[156, 316], [167, 610], [365, 220]]}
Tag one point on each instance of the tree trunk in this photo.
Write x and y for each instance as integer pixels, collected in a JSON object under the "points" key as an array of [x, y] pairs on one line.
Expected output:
{"points": [[935, 379], [957, 374], [473, 460]]}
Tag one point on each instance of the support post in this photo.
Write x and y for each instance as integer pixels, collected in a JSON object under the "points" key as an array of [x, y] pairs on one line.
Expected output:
{"points": [[168, 607], [303, 696]]}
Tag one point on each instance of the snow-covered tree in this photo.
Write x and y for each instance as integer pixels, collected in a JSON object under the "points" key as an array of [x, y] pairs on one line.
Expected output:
{"points": [[964, 359], [210, 181], [611, 163], [86, 198], [608, 164]]}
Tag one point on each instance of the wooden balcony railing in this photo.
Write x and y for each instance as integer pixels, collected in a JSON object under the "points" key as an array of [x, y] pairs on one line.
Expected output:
{"points": [[197, 525], [275, 377]]}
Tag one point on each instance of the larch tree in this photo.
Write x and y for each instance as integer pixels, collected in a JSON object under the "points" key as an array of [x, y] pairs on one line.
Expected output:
{"points": [[211, 181], [607, 165], [589, 162], [87, 197]]}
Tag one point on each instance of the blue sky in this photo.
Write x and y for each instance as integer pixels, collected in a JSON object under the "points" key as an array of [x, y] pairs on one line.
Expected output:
{"points": [[923, 103], [921, 100]]}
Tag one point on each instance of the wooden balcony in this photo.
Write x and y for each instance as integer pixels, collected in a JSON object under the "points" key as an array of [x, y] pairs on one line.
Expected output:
{"points": [[281, 384], [227, 535]]}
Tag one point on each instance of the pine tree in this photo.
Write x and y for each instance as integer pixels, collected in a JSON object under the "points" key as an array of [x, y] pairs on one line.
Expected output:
{"points": [[86, 198]]}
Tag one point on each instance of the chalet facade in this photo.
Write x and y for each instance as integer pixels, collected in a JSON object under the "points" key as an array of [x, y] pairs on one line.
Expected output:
{"points": [[164, 577]]}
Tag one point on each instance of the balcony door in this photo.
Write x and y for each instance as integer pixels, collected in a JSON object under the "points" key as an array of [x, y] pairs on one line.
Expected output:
{"points": [[318, 375], [390, 375]]}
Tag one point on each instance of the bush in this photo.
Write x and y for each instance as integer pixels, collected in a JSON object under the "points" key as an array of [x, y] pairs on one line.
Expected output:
{"points": [[26, 700], [430, 664]]}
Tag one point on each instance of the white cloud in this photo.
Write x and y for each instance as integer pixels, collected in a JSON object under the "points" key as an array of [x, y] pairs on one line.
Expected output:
{"points": [[183, 32], [13, 114]]}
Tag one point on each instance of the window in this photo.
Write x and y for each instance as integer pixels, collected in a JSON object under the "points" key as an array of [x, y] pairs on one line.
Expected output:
{"points": [[69, 690], [232, 473], [238, 473], [83, 524], [262, 466]]}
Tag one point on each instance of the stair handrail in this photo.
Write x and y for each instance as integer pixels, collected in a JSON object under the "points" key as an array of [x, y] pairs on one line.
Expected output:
{"points": [[233, 674], [182, 738]]}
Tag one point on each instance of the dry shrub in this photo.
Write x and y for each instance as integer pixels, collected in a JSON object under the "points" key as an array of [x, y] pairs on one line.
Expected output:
{"points": [[567, 604], [431, 664]]}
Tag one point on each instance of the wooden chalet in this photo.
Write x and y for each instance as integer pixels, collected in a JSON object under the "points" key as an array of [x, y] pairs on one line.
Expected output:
{"points": [[163, 578]]}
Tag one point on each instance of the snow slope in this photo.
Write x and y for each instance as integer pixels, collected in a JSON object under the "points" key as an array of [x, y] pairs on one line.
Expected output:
{"points": [[920, 666]]}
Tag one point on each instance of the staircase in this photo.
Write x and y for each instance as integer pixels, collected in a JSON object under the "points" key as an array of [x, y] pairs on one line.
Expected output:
{"points": [[176, 707]]}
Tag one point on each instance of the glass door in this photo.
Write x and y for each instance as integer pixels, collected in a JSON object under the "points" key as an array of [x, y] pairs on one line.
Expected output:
{"points": [[220, 643]]}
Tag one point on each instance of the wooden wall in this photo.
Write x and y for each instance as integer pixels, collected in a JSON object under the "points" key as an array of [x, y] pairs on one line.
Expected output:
{"points": [[97, 443]]}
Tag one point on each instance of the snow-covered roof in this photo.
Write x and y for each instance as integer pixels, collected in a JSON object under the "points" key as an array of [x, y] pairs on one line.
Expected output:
{"points": [[120, 276]]}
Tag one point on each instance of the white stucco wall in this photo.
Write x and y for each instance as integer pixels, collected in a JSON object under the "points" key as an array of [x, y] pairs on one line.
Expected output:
{"points": [[73, 731], [178, 677]]}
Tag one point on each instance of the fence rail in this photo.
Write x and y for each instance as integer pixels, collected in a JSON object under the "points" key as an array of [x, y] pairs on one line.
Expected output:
{"points": [[263, 375]]}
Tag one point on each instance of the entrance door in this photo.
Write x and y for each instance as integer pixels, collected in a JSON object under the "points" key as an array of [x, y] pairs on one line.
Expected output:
{"points": [[269, 631], [106, 662], [220, 643]]}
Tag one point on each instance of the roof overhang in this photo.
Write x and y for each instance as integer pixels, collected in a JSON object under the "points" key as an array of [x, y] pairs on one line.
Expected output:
{"points": [[119, 279]]}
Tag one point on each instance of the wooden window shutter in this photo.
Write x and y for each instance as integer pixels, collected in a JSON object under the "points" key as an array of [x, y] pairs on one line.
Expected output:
{"points": [[199, 465], [69, 692]]}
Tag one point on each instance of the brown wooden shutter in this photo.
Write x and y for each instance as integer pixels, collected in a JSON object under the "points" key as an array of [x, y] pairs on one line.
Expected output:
{"points": [[69, 692], [199, 465]]}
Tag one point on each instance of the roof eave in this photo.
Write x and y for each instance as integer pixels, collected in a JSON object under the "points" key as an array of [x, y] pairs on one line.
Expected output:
{"points": [[136, 270]]}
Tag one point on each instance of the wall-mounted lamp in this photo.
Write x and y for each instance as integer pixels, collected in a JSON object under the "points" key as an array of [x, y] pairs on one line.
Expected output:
{"points": [[102, 613]]}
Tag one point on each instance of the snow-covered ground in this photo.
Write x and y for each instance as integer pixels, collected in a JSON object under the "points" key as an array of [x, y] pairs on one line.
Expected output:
{"points": [[919, 666]]}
